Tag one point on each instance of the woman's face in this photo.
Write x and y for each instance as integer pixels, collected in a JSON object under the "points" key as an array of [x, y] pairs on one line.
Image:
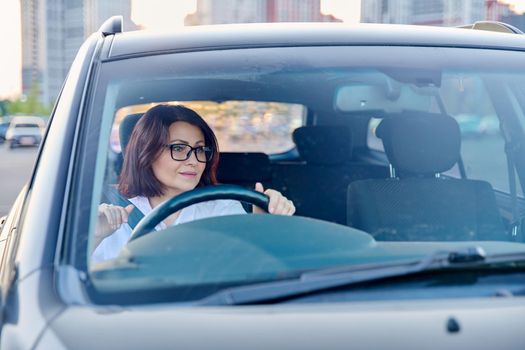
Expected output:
{"points": [[180, 176]]}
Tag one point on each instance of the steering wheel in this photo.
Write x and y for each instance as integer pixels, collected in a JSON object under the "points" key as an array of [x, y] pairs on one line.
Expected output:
{"points": [[202, 194]]}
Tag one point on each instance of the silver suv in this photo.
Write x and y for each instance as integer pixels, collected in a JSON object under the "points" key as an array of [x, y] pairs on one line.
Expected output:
{"points": [[409, 231]]}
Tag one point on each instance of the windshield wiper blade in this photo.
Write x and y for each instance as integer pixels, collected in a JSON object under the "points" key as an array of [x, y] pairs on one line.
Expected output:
{"points": [[324, 279]]}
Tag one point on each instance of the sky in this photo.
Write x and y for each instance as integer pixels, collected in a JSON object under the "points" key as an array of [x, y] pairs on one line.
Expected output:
{"points": [[144, 12], [347, 10]]}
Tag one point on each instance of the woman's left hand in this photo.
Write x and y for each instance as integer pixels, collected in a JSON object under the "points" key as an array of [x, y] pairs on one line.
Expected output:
{"points": [[279, 204]]}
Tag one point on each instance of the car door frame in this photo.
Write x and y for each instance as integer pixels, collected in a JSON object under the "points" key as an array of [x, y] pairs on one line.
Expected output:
{"points": [[29, 289]]}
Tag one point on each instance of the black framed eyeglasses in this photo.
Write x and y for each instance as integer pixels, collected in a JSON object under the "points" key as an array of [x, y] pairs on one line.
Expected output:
{"points": [[182, 151]]}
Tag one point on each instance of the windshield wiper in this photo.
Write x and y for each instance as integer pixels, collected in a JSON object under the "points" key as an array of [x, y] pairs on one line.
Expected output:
{"points": [[328, 278]]}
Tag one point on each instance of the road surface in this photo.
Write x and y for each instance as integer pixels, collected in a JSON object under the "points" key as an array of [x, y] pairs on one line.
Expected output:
{"points": [[15, 170]]}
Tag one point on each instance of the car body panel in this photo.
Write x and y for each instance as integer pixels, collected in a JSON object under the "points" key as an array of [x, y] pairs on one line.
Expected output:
{"points": [[54, 164], [274, 35], [45, 301], [411, 325], [31, 304], [28, 287]]}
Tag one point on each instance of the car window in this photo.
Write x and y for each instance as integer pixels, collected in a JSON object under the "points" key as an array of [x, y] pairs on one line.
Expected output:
{"points": [[26, 125], [241, 126], [465, 97], [378, 148]]}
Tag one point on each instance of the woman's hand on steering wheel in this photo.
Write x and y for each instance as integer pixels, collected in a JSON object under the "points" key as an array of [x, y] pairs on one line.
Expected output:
{"points": [[279, 204]]}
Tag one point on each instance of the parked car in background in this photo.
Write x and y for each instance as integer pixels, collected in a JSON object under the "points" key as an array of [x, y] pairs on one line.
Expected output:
{"points": [[408, 234], [3, 129], [25, 131]]}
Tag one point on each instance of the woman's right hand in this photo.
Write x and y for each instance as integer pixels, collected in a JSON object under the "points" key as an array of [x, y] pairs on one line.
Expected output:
{"points": [[110, 218]]}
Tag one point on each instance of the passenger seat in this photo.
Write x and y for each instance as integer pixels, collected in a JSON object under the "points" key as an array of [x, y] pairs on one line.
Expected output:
{"points": [[416, 203]]}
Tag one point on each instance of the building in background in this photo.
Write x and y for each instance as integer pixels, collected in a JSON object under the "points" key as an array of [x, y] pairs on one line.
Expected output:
{"points": [[432, 12], [97, 11], [257, 11], [496, 11], [515, 20], [52, 32], [227, 11], [296, 11]]}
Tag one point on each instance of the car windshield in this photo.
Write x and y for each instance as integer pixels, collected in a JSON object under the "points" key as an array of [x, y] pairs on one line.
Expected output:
{"points": [[387, 153]]}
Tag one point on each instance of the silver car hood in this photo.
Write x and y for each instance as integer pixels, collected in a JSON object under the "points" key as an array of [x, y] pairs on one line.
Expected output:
{"points": [[362, 325]]}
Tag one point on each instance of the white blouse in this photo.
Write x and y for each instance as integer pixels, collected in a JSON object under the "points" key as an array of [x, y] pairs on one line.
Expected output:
{"points": [[110, 247]]}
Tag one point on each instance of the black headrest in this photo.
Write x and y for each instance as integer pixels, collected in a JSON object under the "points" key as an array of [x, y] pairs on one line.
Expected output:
{"points": [[247, 167], [420, 143], [126, 127], [323, 144]]}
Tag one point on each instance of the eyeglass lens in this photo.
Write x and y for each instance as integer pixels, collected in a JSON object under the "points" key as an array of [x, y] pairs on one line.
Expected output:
{"points": [[183, 152]]}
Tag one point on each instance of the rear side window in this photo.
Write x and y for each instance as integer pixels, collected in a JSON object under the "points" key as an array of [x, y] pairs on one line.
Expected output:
{"points": [[240, 126], [26, 125]]}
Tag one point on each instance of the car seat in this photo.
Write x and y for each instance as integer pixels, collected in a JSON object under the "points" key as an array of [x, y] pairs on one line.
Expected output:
{"points": [[318, 184], [417, 203]]}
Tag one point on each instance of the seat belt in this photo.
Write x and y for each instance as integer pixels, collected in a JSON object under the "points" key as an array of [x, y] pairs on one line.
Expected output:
{"points": [[510, 152], [516, 223], [114, 197]]}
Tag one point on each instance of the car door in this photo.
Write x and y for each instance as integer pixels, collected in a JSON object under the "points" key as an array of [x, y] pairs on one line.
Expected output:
{"points": [[8, 230]]}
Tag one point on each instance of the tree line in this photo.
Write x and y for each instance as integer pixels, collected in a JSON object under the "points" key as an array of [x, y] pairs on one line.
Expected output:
{"points": [[26, 104]]}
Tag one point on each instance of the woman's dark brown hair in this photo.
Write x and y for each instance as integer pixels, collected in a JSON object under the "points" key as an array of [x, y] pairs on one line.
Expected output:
{"points": [[147, 141]]}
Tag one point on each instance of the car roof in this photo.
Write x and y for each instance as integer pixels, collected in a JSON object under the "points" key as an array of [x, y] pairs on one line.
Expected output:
{"points": [[138, 43]]}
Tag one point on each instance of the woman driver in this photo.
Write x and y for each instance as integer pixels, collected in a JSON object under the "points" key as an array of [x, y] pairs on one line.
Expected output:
{"points": [[171, 150]]}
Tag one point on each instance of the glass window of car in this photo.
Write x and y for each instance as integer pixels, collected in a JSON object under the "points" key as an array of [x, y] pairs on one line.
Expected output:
{"points": [[240, 126], [270, 90], [465, 97]]}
